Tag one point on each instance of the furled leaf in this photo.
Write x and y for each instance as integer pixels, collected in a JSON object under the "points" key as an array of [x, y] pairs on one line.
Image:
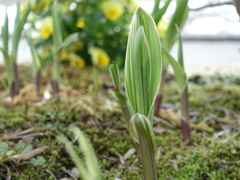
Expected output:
{"points": [[141, 129], [143, 64]]}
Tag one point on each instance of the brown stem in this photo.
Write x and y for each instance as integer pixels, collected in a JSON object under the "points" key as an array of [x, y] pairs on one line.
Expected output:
{"points": [[14, 89], [55, 88], [186, 131], [37, 80]]}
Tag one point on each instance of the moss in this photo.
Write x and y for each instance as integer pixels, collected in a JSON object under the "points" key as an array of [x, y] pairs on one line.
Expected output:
{"points": [[210, 155]]}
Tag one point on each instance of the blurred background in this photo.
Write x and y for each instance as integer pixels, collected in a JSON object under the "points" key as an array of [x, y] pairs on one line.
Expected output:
{"points": [[211, 36]]}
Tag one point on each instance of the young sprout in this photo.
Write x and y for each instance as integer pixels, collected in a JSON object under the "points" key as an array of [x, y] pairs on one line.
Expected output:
{"points": [[58, 45], [10, 59], [178, 18], [143, 66], [186, 131], [37, 64], [57, 41], [119, 93], [87, 166]]}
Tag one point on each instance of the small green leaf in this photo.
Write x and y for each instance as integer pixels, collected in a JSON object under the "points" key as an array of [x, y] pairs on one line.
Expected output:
{"points": [[24, 148], [179, 72], [114, 72], [38, 161], [3, 148], [68, 41]]}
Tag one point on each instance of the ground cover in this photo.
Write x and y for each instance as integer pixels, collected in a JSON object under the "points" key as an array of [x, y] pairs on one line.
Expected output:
{"points": [[29, 126]]}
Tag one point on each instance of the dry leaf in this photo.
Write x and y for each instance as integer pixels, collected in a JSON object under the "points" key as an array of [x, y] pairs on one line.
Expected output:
{"points": [[30, 154]]}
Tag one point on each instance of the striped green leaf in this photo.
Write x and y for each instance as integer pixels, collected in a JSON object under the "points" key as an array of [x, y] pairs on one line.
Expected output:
{"points": [[143, 64], [141, 129]]}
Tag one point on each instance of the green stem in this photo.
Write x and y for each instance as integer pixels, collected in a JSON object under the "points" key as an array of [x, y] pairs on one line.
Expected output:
{"points": [[156, 6], [142, 131], [56, 70], [8, 69], [95, 80]]}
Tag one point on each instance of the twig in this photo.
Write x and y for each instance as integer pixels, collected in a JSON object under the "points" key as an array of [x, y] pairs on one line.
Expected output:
{"points": [[212, 5]]}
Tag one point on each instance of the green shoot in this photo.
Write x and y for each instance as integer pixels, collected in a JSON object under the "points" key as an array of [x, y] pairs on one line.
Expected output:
{"points": [[179, 18], [10, 60], [57, 41], [58, 45], [87, 166], [114, 72], [118, 92], [143, 66], [184, 95], [37, 65], [95, 74], [141, 130], [5, 50], [158, 13]]}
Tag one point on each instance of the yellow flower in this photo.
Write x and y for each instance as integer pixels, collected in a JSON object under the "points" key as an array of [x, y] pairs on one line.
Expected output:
{"points": [[76, 60], [46, 51], [35, 5], [64, 6], [80, 24], [162, 26], [47, 27], [99, 57], [64, 54], [132, 7], [112, 10]]}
